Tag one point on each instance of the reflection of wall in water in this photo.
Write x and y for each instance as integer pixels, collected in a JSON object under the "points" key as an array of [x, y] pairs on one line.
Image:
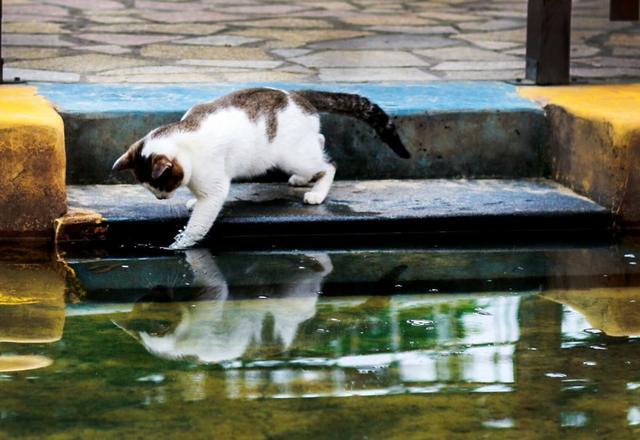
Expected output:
{"points": [[480, 354], [613, 310], [464, 349], [32, 311]]}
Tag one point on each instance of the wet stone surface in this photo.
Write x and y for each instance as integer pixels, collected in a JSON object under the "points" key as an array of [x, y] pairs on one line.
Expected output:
{"points": [[356, 207], [154, 33]]}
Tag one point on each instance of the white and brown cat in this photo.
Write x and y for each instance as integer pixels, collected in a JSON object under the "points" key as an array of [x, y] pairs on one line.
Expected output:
{"points": [[245, 134]]}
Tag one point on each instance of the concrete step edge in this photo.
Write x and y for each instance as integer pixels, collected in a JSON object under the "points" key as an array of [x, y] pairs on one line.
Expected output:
{"points": [[353, 208]]}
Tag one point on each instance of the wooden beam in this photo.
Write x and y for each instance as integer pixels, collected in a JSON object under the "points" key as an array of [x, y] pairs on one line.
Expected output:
{"points": [[1, 59], [548, 41], [624, 10]]}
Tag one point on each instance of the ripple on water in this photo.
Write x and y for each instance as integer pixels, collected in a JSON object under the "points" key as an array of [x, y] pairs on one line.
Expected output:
{"points": [[499, 423], [555, 375], [421, 322]]}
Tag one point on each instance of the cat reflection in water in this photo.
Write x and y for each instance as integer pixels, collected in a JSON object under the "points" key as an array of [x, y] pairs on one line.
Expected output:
{"points": [[216, 328]]}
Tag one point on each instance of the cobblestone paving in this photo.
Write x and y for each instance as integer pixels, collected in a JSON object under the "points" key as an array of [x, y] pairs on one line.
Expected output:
{"points": [[155, 41]]}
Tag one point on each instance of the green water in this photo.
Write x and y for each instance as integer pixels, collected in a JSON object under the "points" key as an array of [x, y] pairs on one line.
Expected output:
{"points": [[395, 343]]}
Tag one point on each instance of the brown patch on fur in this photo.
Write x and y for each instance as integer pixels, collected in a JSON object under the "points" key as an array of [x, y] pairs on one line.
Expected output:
{"points": [[318, 175], [256, 103], [166, 129], [161, 164], [172, 176], [303, 103], [168, 173]]}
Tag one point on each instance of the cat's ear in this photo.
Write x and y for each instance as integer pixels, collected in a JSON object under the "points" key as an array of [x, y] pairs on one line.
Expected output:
{"points": [[124, 162], [160, 165]]}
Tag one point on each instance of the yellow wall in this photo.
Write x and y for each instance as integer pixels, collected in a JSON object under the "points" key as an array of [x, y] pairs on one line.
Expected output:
{"points": [[33, 163]]}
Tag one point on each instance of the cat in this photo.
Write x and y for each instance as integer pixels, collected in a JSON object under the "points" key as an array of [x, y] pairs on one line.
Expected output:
{"points": [[245, 134], [216, 325]]}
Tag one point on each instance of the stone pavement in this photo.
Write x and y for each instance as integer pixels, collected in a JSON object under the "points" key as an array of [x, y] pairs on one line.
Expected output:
{"points": [[154, 41]]}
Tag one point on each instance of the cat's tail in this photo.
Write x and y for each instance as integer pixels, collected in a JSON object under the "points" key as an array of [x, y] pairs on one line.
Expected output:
{"points": [[361, 108]]}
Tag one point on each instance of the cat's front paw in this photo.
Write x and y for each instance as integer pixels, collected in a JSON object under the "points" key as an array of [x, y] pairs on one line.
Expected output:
{"points": [[314, 198], [182, 241], [177, 246]]}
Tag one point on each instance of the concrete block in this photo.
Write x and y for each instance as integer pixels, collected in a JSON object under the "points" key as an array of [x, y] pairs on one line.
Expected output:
{"points": [[32, 169], [595, 143]]}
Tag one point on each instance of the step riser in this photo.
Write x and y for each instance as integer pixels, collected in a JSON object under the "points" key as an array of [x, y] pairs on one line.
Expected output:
{"points": [[95, 141], [443, 145], [370, 272]]}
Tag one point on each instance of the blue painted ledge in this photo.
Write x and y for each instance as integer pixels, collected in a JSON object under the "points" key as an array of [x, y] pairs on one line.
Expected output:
{"points": [[396, 99]]}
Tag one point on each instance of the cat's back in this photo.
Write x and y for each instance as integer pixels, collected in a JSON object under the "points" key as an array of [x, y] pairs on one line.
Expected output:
{"points": [[258, 116], [254, 102]]}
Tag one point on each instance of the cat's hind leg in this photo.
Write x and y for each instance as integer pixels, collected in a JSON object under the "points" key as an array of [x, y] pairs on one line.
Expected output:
{"points": [[305, 176], [309, 164], [320, 189], [296, 180]]}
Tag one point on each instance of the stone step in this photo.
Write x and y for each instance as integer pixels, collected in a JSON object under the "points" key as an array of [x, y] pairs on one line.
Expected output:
{"points": [[453, 129], [353, 209]]}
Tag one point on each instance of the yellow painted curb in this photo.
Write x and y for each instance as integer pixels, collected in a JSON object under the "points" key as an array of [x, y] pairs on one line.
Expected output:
{"points": [[32, 165], [618, 105], [594, 143], [21, 105]]}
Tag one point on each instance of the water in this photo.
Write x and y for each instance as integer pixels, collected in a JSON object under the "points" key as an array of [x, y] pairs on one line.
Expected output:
{"points": [[528, 342]]}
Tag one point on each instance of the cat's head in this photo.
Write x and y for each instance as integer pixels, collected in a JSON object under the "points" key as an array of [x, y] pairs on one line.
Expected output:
{"points": [[160, 173]]}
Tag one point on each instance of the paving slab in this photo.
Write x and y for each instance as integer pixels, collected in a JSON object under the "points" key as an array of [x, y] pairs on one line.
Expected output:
{"points": [[468, 53], [170, 31], [386, 42], [359, 58], [360, 74], [353, 207]]}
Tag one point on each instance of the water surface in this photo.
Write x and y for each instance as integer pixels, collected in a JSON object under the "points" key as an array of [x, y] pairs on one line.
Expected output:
{"points": [[391, 343]]}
